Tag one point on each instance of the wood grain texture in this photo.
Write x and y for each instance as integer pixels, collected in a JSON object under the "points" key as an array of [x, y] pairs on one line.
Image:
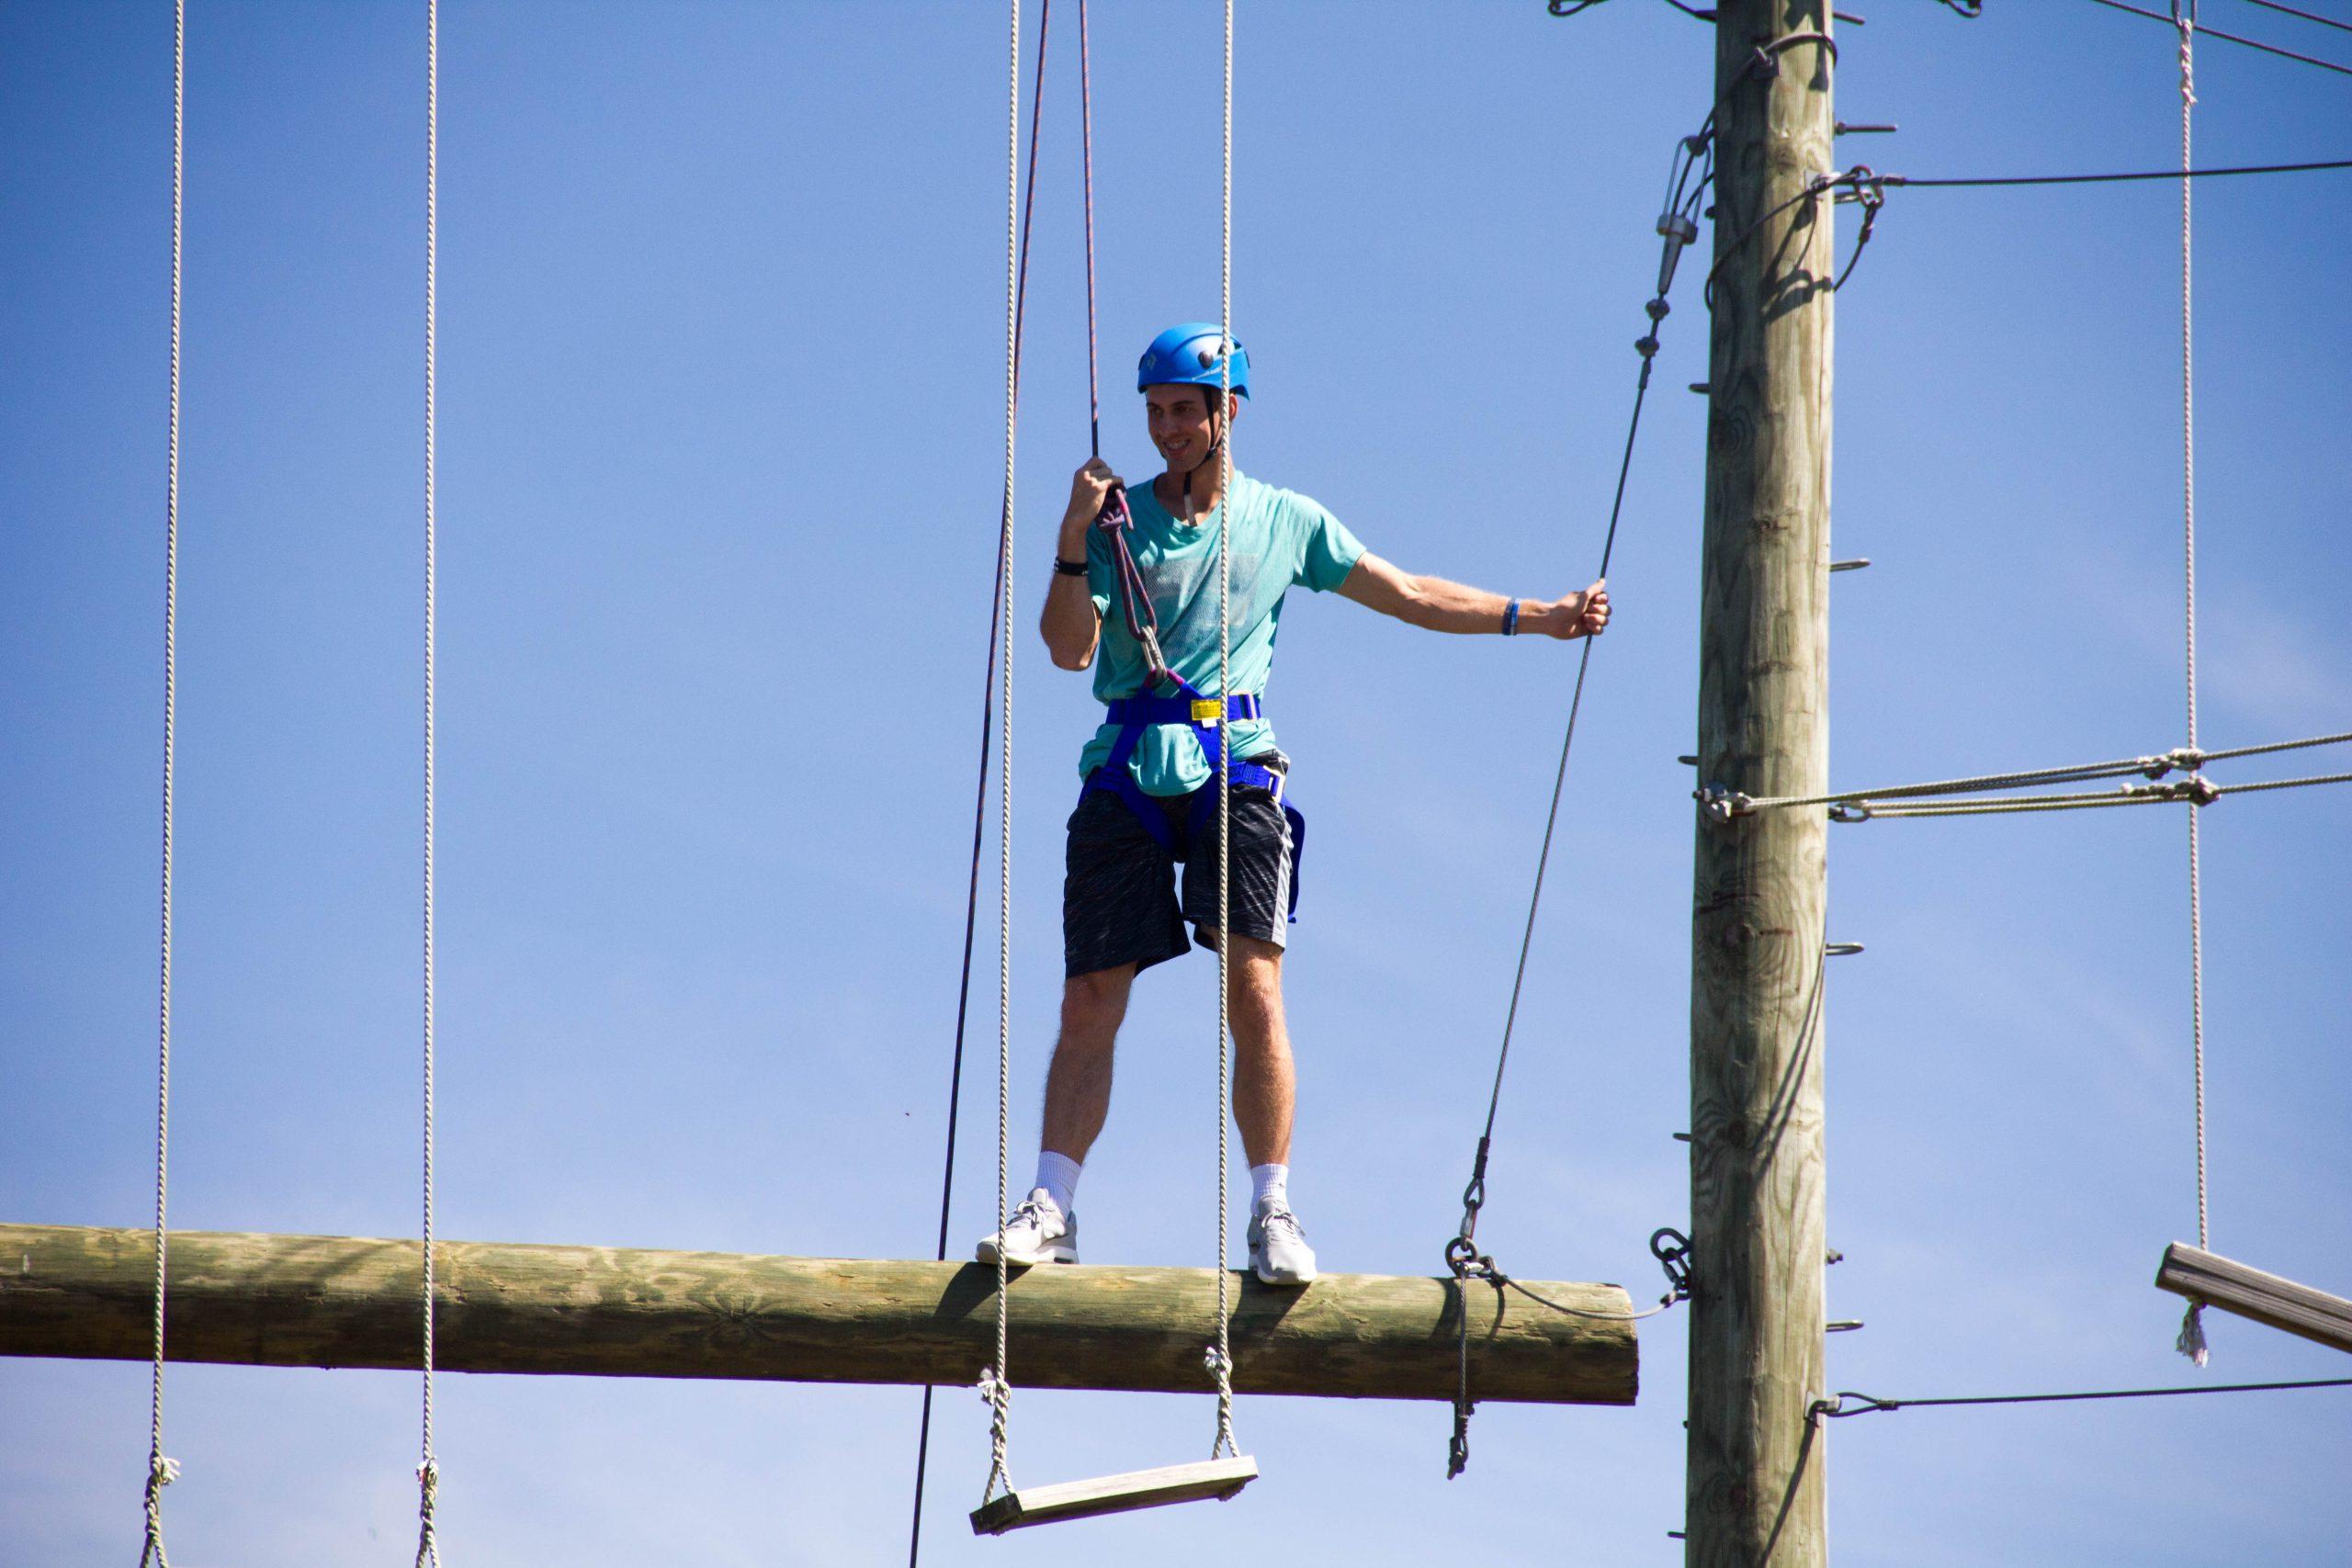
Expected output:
{"points": [[297, 1301], [1214, 1478], [1754, 1486], [2249, 1293]]}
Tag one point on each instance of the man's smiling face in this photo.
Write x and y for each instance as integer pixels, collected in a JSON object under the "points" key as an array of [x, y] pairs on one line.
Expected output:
{"points": [[1181, 424]]}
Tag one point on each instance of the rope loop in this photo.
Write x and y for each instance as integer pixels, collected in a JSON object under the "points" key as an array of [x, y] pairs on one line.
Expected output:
{"points": [[1836, 1406]]}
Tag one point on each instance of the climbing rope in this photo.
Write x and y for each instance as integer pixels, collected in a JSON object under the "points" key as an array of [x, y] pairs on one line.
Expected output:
{"points": [[163, 1472], [1688, 177], [1220, 1357], [428, 1469], [2192, 1342], [995, 1385], [980, 796]]}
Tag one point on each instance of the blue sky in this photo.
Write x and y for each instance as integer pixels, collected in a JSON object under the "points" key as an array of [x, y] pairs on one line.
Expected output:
{"points": [[721, 428]]}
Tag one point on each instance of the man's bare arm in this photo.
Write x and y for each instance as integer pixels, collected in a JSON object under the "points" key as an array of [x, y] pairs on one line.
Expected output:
{"points": [[1437, 605], [1071, 626]]}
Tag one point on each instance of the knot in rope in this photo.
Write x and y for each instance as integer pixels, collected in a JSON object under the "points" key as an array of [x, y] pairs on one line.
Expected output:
{"points": [[2185, 20], [428, 1485], [998, 1393], [1219, 1363], [995, 1391], [161, 1473]]}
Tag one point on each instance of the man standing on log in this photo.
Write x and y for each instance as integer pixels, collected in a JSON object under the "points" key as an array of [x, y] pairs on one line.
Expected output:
{"points": [[1150, 800]]}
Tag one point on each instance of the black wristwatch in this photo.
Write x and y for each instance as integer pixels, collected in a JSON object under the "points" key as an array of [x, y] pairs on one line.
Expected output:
{"points": [[1068, 568]]}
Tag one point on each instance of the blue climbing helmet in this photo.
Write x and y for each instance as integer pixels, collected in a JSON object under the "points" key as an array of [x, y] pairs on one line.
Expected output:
{"points": [[1191, 353]]}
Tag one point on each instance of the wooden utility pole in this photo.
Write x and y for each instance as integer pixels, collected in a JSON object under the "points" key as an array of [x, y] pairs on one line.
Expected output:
{"points": [[316, 1301], [1754, 1467]]}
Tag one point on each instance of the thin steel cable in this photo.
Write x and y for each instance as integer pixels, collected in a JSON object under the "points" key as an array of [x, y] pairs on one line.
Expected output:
{"points": [[995, 1384], [2258, 786], [2153, 766], [1922, 182], [1831, 1408], [2193, 1326], [1222, 1365], [2121, 767], [981, 793], [2306, 16], [161, 1471], [2231, 37], [2202, 792], [1461, 1254], [428, 1469], [1560, 782], [1505, 1282], [2270, 747], [2021, 806]]}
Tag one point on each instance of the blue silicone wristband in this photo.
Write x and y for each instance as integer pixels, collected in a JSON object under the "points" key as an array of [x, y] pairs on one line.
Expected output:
{"points": [[1510, 618]]}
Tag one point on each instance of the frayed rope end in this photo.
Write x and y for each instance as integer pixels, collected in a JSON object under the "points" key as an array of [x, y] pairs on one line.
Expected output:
{"points": [[2192, 1342]]}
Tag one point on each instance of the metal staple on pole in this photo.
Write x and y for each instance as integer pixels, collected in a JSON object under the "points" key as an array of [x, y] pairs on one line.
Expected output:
{"points": [[163, 1472]]}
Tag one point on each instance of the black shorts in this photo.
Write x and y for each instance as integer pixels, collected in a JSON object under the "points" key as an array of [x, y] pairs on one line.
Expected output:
{"points": [[1120, 892]]}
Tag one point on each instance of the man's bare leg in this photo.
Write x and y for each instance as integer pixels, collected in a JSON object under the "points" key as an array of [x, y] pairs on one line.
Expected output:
{"points": [[1264, 1080], [1043, 1228], [1077, 1085], [1264, 1089]]}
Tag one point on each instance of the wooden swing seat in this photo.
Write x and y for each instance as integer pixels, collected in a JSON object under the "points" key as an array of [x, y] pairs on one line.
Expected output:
{"points": [[2217, 1282], [1217, 1478]]}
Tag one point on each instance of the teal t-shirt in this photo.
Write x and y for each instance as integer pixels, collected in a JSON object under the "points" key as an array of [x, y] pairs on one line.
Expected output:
{"points": [[1281, 540]]}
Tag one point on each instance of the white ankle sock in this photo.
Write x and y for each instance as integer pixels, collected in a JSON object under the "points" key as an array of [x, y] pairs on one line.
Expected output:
{"points": [[1058, 1174], [1269, 1181]]}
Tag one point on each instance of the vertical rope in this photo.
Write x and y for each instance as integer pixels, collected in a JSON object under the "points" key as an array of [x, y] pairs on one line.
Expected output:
{"points": [[995, 1385], [428, 1469], [1086, 144], [161, 1471], [1222, 1362], [979, 803], [2192, 1327]]}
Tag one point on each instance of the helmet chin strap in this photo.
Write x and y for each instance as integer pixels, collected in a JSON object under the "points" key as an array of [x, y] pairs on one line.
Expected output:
{"points": [[1216, 447]]}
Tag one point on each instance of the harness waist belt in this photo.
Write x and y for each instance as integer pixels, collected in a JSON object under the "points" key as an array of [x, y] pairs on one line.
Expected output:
{"points": [[1190, 709]]}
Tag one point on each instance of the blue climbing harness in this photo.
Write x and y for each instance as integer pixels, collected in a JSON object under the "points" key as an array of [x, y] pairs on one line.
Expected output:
{"points": [[1203, 714]]}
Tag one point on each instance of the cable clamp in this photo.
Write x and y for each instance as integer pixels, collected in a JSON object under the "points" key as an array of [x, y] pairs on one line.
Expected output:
{"points": [[1672, 1250], [2196, 789], [1836, 1406], [1849, 811], [1721, 804]]}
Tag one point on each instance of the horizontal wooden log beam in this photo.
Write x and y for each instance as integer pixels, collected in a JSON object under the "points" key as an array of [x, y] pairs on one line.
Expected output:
{"points": [[310, 1301], [2249, 1293]]}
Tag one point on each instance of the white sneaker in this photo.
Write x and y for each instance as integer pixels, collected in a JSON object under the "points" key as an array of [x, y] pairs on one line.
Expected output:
{"points": [[1278, 1248], [1039, 1233]]}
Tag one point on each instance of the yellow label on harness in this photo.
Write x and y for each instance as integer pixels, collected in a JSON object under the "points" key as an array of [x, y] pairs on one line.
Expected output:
{"points": [[1207, 710]]}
